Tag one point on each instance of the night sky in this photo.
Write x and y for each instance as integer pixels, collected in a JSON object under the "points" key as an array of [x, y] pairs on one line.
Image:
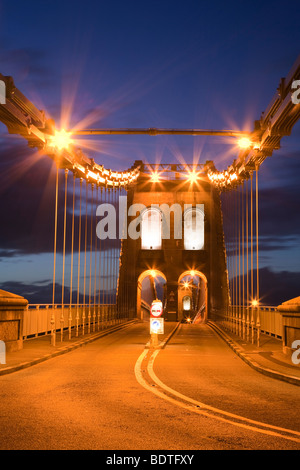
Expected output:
{"points": [[191, 64]]}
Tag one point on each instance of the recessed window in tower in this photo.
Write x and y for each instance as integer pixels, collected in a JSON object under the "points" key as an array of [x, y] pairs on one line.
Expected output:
{"points": [[151, 229], [186, 303], [194, 229]]}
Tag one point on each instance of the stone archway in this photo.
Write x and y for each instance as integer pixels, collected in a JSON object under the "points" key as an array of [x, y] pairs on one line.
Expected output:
{"points": [[147, 273], [186, 286]]}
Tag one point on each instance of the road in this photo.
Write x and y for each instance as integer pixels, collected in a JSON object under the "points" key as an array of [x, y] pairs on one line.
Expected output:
{"points": [[113, 394]]}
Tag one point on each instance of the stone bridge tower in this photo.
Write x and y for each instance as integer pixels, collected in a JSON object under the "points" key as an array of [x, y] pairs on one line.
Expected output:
{"points": [[201, 252]]}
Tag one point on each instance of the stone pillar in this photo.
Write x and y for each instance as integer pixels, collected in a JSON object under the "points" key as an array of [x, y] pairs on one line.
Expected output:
{"points": [[290, 312], [12, 309]]}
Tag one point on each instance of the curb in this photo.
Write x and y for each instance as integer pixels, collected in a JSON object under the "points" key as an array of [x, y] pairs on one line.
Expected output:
{"points": [[66, 349], [239, 351]]}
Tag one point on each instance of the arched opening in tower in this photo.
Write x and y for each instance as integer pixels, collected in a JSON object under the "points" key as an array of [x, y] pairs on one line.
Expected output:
{"points": [[192, 297], [151, 286]]}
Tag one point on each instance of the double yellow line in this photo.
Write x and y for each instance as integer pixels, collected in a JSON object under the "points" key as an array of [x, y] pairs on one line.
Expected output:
{"points": [[145, 363]]}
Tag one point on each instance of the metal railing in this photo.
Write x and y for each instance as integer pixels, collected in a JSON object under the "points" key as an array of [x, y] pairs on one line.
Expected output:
{"points": [[42, 319], [249, 322]]}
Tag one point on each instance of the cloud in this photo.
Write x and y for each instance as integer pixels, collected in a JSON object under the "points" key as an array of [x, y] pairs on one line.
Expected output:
{"points": [[29, 66], [28, 189], [42, 294], [275, 287]]}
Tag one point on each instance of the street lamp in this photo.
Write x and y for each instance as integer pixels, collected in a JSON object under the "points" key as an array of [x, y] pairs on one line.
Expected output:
{"points": [[155, 178], [244, 143], [61, 140]]}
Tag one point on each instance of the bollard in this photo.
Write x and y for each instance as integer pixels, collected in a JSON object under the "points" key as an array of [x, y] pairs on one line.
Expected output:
{"points": [[154, 340]]}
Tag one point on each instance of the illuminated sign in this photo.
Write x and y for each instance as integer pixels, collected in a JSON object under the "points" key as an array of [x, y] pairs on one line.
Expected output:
{"points": [[157, 326], [156, 308]]}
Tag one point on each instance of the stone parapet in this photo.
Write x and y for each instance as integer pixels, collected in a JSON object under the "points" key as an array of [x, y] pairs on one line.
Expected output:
{"points": [[290, 312], [12, 309]]}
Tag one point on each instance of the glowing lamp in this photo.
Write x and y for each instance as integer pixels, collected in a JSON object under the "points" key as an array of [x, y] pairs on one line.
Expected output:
{"points": [[254, 303], [244, 143], [155, 178], [193, 177], [61, 140], [192, 273], [153, 273]]}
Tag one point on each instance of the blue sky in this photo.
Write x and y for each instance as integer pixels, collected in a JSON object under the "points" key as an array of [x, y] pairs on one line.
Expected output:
{"points": [[201, 64]]}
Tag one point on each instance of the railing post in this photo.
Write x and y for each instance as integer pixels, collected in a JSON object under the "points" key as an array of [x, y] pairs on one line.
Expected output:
{"points": [[52, 325], [258, 326], [83, 318], [252, 324], [62, 321], [77, 320], [36, 333], [70, 321], [26, 310], [244, 322], [248, 325]]}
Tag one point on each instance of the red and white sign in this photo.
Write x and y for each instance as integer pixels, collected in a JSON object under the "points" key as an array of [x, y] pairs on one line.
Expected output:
{"points": [[156, 309]]}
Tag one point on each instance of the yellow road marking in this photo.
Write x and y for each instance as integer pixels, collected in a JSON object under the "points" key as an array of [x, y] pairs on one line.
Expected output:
{"points": [[226, 416]]}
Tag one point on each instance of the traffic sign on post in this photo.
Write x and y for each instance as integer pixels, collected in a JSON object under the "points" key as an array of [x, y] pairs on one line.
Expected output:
{"points": [[157, 326], [156, 309]]}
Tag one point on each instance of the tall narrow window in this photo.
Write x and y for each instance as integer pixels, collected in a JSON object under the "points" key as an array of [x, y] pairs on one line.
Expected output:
{"points": [[151, 229], [194, 229], [186, 303]]}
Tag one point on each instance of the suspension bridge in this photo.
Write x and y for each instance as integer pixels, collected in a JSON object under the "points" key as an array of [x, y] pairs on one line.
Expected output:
{"points": [[211, 274], [185, 237]]}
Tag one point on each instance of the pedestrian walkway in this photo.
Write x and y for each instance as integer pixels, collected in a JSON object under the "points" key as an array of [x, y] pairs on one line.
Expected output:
{"points": [[267, 359]]}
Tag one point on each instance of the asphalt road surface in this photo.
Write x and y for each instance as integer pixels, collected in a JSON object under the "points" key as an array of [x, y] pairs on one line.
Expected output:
{"points": [[113, 394]]}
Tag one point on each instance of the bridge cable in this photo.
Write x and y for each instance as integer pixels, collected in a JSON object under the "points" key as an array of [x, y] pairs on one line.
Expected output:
{"points": [[239, 258], [85, 248], [91, 260], [95, 269], [247, 262], [236, 263], [251, 248], [52, 320], [64, 253], [100, 314], [105, 270], [243, 263], [110, 253], [257, 265], [79, 253], [114, 262], [72, 250]]}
